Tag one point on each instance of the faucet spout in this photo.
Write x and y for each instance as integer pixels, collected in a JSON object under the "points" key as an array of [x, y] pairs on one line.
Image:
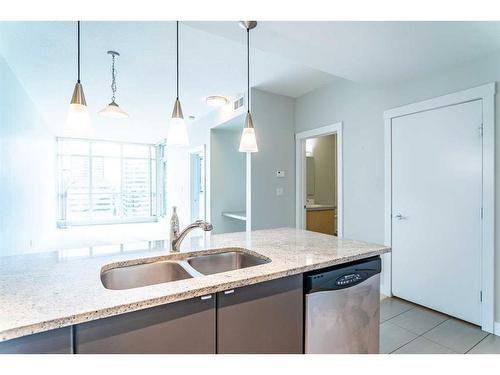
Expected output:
{"points": [[178, 237]]}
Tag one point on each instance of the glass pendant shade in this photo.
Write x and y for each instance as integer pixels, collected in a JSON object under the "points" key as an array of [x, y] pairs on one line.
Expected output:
{"points": [[78, 118], [177, 131], [113, 111], [248, 142]]}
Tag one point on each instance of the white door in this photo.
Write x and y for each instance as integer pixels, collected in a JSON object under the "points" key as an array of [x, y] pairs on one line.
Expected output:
{"points": [[436, 209]]}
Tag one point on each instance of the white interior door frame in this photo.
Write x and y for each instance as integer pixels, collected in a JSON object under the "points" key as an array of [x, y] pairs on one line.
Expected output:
{"points": [[199, 150], [300, 157], [485, 93]]}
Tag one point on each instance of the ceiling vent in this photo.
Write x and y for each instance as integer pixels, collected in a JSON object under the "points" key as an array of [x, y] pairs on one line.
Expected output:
{"points": [[238, 103]]}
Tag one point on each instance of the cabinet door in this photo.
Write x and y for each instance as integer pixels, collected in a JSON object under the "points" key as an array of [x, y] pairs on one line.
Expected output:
{"points": [[177, 328], [57, 341], [261, 318], [322, 221]]}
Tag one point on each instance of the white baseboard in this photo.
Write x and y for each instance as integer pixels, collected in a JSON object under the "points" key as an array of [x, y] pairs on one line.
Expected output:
{"points": [[496, 328]]}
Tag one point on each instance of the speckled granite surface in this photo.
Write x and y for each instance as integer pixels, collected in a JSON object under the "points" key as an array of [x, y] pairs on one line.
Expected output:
{"points": [[39, 292]]}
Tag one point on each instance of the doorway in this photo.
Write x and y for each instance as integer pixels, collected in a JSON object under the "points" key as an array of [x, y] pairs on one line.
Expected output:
{"points": [[197, 183], [438, 156], [319, 180]]}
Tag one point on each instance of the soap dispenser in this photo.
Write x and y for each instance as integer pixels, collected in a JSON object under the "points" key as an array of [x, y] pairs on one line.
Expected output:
{"points": [[174, 224]]}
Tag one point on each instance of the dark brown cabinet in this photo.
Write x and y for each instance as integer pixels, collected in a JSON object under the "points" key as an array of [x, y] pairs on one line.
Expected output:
{"points": [[181, 327], [57, 341], [265, 317], [262, 318]]}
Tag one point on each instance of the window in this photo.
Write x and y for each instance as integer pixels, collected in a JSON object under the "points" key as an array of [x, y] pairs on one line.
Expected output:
{"points": [[102, 182]]}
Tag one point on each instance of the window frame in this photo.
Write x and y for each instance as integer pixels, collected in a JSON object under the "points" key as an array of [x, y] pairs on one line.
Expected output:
{"points": [[157, 183]]}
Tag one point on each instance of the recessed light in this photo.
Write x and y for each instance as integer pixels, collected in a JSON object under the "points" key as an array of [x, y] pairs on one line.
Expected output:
{"points": [[216, 100]]}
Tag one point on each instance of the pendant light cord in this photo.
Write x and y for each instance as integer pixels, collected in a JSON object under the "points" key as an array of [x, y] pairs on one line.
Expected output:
{"points": [[113, 78], [248, 68], [78, 28], [177, 59]]}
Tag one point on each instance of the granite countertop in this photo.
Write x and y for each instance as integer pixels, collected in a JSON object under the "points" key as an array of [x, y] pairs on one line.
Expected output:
{"points": [[44, 291]]}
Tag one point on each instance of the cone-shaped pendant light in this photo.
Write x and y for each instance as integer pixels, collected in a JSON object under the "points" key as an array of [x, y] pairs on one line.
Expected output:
{"points": [[78, 119], [177, 131], [113, 110], [248, 141]]}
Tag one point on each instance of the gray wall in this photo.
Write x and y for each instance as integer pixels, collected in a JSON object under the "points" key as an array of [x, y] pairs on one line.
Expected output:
{"points": [[200, 134], [361, 110], [274, 126], [227, 180], [324, 170]]}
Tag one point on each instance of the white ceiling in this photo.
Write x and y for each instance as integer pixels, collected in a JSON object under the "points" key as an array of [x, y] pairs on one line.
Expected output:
{"points": [[43, 57], [288, 58], [375, 53]]}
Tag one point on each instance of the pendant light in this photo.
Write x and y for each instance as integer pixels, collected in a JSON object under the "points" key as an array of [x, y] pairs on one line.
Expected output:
{"points": [[78, 119], [113, 110], [248, 142], [177, 132]]}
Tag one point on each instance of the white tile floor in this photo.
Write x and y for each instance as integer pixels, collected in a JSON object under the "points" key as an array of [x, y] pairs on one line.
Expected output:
{"points": [[406, 328]]}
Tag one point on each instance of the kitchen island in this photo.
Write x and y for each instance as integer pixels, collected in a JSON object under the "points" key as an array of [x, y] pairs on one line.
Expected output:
{"points": [[50, 291]]}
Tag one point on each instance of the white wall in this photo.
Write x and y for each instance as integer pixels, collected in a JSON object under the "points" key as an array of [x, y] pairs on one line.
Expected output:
{"points": [[27, 169], [28, 189], [178, 184], [274, 127], [361, 110]]}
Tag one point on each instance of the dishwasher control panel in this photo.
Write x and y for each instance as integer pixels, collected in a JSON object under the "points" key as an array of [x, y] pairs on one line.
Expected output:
{"points": [[349, 279], [341, 276]]}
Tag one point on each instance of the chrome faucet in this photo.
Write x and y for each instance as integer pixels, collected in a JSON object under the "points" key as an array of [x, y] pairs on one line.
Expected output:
{"points": [[177, 237]]}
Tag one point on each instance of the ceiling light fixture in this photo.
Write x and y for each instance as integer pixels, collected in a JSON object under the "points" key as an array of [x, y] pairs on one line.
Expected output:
{"points": [[78, 119], [177, 132], [248, 141], [216, 100], [113, 110]]}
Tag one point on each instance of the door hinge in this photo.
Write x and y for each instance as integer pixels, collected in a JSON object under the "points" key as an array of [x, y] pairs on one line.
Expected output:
{"points": [[481, 128], [481, 296], [481, 213]]}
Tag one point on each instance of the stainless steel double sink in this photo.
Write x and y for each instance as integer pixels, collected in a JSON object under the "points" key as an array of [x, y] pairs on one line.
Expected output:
{"points": [[149, 272]]}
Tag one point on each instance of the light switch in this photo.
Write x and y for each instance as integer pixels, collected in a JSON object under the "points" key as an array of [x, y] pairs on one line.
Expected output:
{"points": [[279, 191], [280, 174]]}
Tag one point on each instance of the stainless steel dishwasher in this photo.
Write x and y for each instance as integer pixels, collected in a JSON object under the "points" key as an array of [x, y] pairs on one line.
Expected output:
{"points": [[342, 308]]}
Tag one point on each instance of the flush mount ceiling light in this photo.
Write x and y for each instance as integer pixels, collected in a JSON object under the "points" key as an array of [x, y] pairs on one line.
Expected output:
{"points": [[177, 132], [216, 100], [248, 141], [78, 119], [113, 110]]}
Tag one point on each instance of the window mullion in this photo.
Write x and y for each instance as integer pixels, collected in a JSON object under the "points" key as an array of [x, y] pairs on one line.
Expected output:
{"points": [[150, 184], [122, 208], [91, 182]]}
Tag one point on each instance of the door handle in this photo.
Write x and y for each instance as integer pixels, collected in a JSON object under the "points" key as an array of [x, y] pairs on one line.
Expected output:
{"points": [[399, 217], [229, 291]]}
